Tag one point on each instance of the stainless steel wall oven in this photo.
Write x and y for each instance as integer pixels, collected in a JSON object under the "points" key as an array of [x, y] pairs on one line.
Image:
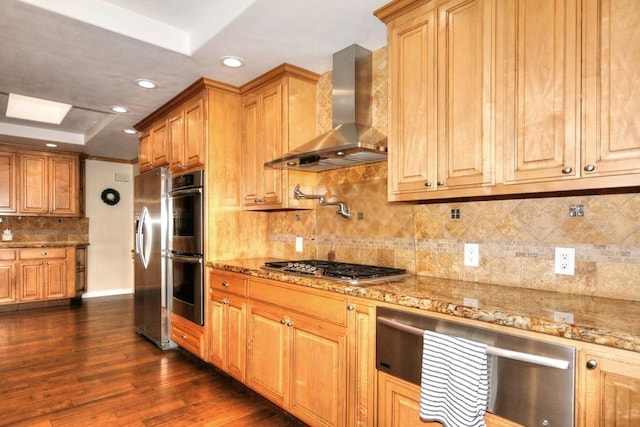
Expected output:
{"points": [[186, 246]]}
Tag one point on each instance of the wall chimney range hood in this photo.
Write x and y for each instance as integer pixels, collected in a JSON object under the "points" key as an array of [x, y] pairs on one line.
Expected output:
{"points": [[352, 140]]}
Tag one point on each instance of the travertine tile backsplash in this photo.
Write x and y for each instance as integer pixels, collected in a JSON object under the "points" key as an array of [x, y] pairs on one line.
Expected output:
{"points": [[47, 229], [517, 237]]}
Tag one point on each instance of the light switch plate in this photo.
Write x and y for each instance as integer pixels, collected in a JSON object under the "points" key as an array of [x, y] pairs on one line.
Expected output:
{"points": [[299, 244]]}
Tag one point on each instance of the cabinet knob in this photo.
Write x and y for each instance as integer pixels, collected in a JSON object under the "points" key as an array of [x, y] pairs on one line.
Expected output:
{"points": [[225, 284], [589, 168], [224, 301], [591, 364], [567, 170], [259, 200], [428, 184], [283, 321], [440, 183], [43, 253], [289, 324], [183, 336], [351, 307]]}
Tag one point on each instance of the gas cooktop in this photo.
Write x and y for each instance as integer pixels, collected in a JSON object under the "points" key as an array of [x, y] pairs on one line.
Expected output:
{"points": [[340, 271]]}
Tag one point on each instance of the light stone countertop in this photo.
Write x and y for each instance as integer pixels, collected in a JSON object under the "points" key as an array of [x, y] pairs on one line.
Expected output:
{"points": [[31, 245], [603, 321]]}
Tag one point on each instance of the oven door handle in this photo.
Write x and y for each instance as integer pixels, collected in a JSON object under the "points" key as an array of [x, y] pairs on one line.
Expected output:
{"points": [[187, 259], [496, 351], [185, 192]]}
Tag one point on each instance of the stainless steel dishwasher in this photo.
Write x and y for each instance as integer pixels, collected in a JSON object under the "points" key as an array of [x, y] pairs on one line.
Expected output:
{"points": [[532, 382]]}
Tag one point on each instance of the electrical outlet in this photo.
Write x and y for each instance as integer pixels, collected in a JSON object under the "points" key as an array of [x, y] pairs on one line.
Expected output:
{"points": [[299, 244], [471, 254], [470, 302], [561, 316], [565, 261]]}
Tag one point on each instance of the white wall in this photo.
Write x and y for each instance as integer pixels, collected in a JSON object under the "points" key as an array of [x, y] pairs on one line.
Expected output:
{"points": [[110, 266]]}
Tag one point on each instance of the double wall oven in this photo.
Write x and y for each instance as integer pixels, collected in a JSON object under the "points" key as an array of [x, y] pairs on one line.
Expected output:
{"points": [[186, 246]]}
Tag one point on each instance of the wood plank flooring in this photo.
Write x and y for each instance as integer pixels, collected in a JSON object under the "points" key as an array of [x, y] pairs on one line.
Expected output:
{"points": [[84, 365]]}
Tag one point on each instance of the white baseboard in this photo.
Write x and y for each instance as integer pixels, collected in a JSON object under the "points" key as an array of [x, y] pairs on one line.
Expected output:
{"points": [[107, 293]]}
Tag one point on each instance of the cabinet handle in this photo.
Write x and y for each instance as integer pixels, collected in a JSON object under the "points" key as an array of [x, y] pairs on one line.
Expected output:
{"points": [[183, 336], [440, 183], [225, 284], [283, 321], [428, 184], [224, 301], [259, 200], [592, 364], [289, 324], [567, 170], [43, 253], [351, 307], [589, 168]]}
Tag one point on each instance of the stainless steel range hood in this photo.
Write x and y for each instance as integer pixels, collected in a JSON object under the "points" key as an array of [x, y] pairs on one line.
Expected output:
{"points": [[352, 140]]}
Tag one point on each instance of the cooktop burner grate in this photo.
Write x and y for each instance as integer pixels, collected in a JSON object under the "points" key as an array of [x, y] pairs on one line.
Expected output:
{"points": [[334, 270]]}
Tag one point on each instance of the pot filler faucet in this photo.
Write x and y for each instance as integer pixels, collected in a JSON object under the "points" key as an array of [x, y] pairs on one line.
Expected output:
{"points": [[343, 209]]}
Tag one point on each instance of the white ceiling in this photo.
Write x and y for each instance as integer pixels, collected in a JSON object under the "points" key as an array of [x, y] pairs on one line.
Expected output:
{"points": [[88, 53]]}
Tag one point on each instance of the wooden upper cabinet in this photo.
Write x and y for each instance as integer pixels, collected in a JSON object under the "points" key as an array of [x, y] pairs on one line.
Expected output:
{"points": [[160, 148], [279, 114], [541, 88], [187, 135], [611, 100], [49, 184], [63, 173], [8, 182], [440, 88], [144, 152]]}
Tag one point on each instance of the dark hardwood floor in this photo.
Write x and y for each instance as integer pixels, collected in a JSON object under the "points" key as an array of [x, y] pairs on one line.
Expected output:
{"points": [[84, 365]]}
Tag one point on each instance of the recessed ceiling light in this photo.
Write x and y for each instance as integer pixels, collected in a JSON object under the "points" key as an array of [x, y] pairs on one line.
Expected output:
{"points": [[51, 145], [146, 84], [130, 131], [232, 61], [119, 109]]}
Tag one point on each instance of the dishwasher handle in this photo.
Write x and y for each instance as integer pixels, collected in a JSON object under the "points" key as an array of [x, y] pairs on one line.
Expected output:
{"points": [[497, 351]]}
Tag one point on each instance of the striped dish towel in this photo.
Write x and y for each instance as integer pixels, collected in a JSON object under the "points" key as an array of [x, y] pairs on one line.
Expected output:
{"points": [[454, 383]]}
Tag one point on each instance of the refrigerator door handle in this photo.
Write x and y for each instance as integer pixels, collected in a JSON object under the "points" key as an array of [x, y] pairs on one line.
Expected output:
{"points": [[145, 237]]}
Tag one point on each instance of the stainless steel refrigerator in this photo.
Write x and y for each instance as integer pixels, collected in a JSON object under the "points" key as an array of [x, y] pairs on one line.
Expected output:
{"points": [[152, 291]]}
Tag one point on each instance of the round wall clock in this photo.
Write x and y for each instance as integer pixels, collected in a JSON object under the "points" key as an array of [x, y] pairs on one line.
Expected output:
{"points": [[110, 196]]}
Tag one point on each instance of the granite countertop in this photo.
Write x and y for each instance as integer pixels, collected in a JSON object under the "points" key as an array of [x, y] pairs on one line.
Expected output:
{"points": [[603, 321], [29, 245]]}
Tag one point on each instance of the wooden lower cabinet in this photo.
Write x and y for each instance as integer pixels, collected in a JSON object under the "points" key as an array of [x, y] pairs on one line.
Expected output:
{"points": [[188, 335], [227, 340], [362, 362], [610, 388], [45, 273], [299, 363], [7, 276], [399, 405]]}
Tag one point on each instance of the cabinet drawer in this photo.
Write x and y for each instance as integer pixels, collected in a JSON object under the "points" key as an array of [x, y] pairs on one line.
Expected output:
{"points": [[7, 255], [43, 253], [331, 308], [186, 335], [228, 282]]}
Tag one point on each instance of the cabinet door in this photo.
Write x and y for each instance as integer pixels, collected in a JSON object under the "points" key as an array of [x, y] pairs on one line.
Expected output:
{"points": [[55, 279], [160, 144], [236, 338], [144, 152], [7, 281], [30, 281], [465, 91], [176, 136], [318, 362], [63, 173], [272, 142], [412, 91], [611, 125], [7, 182], [251, 141], [541, 83], [611, 395], [361, 363], [35, 194], [194, 150], [268, 352]]}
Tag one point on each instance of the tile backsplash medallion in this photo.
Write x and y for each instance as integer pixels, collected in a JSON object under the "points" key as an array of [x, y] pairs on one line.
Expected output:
{"points": [[517, 238]]}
